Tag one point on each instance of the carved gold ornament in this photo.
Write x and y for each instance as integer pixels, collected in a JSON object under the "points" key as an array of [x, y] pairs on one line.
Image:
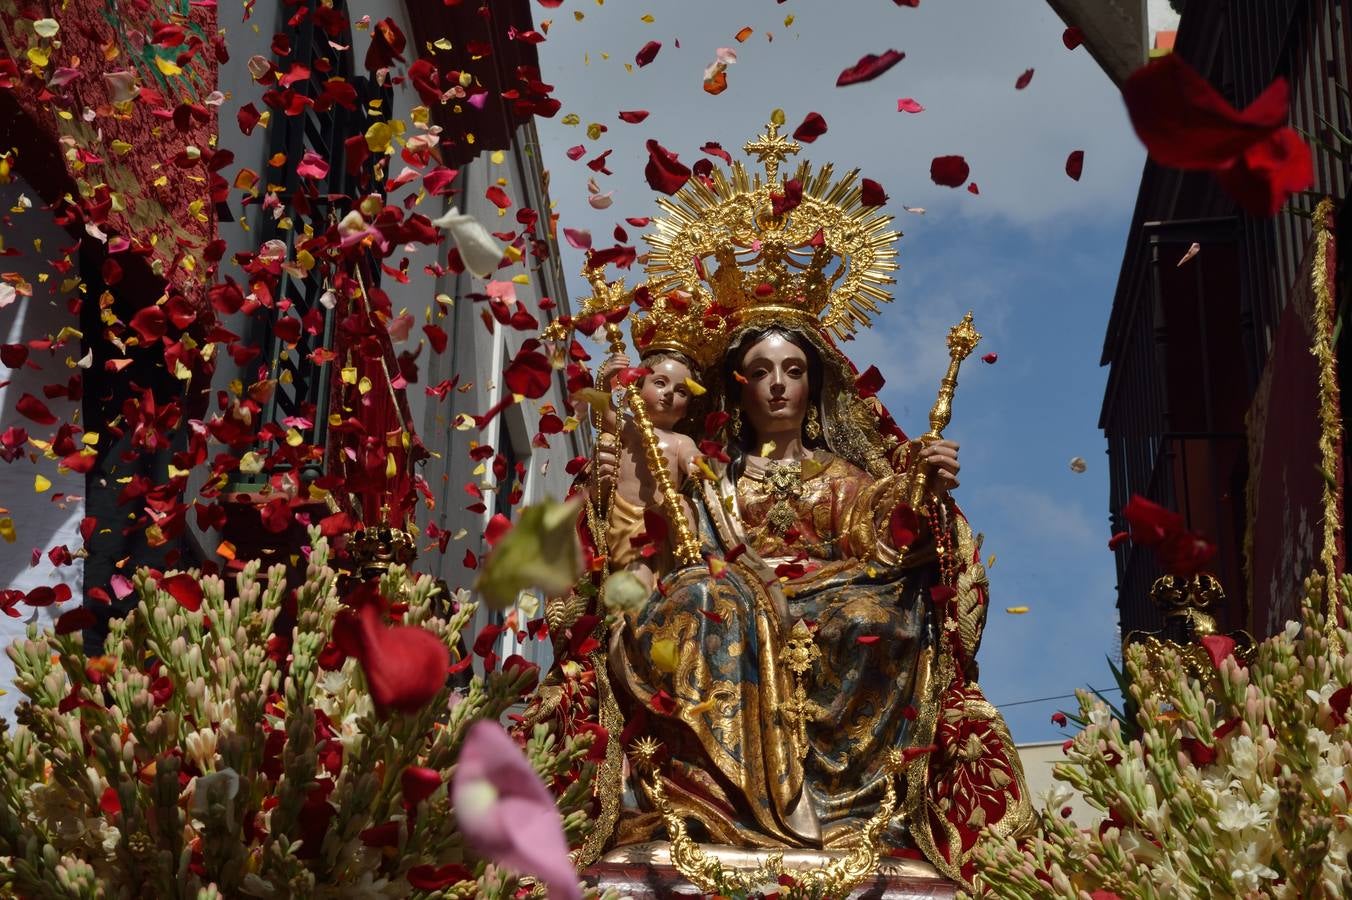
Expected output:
{"points": [[834, 879]]}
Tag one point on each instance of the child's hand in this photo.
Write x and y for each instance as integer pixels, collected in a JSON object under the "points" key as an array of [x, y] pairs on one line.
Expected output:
{"points": [[607, 461], [613, 364]]}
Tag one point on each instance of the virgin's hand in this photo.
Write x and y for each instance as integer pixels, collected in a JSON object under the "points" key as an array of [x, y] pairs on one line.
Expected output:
{"points": [[942, 458], [613, 364]]}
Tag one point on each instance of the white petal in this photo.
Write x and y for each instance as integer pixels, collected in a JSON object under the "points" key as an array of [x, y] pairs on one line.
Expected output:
{"points": [[478, 249]]}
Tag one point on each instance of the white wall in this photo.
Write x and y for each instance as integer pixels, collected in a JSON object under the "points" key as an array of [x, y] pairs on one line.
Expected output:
{"points": [[1038, 761], [40, 524], [479, 356]]}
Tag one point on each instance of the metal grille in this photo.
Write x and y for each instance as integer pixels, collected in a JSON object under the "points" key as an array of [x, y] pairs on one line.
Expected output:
{"points": [[302, 386]]}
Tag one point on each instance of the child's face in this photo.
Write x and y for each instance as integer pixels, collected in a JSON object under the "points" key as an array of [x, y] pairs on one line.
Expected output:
{"points": [[665, 393]]}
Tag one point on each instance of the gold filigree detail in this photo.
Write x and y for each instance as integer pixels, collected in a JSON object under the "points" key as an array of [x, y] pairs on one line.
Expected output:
{"points": [[1330, 420], [562, 612], [609, 783], [800, 653], [834, 879], [784, 480]]}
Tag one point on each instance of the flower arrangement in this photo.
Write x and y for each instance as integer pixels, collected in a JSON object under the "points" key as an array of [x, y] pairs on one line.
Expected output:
{"points": [[1237, 788], [212, 754]]}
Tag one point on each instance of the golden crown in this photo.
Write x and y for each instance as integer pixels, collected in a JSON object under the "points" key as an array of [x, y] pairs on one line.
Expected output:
{"points": [[678, 321], [752, 249]]}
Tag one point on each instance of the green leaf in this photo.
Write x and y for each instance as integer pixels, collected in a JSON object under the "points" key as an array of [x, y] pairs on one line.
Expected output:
{"points": [[541, 551]]}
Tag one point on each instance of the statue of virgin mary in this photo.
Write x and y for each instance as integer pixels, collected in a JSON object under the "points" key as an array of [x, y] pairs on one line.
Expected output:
{"points": [[819, 655]]}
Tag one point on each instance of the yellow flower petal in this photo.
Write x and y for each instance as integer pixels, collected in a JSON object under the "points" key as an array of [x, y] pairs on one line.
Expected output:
{"points": [[1016, 610], [695, 387], [378, 137], [664, 655], [40, 484]]}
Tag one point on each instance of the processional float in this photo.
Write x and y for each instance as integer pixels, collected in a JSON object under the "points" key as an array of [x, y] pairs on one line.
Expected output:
{"points": [[688, 308]]}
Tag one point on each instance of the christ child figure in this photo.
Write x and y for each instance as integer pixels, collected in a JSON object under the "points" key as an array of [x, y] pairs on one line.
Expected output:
{"points": [[626, 481]]}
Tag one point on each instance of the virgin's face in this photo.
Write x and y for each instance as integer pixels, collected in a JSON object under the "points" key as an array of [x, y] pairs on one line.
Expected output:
{"points": [[776, 392]]}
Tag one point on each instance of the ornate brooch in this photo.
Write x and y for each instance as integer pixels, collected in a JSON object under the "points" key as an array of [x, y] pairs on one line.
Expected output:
{"points": [[785, 482]]}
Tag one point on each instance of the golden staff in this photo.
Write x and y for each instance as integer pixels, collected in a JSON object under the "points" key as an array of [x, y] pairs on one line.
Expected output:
{"points": [[962, 339], [607, 297]]}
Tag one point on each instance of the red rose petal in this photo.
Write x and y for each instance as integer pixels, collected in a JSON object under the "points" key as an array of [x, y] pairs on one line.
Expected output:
{"points": [[428, 877], [150, 323], [184, 588], [529, 373], [633, 117], [869, 383], [498, 526], [1072, 37], [869, 67], [418, 783], [1075, 164], [990, 358], [647, 53], [664, 171], [871, 193], [31, 407], [1267, 173], [1023, 80], [1218, 647], [813, 127], [75, 620], [1150, 523], [949, 171], [714, 149], [909, 105], [405, 666], [1185, 123]]}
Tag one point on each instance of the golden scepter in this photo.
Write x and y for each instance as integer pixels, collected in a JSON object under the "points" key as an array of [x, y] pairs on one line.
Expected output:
{"points": [[607, 297], [962, 339]]}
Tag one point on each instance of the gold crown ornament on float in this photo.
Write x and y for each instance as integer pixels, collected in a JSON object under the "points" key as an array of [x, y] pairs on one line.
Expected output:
{"points": [[743, 248]]}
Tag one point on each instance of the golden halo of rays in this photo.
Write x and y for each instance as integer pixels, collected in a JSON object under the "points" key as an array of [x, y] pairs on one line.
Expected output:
{"points": [[736, 210]]}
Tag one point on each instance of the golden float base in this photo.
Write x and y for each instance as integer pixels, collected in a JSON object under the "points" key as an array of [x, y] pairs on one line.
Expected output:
{"points": [[645, 872]]}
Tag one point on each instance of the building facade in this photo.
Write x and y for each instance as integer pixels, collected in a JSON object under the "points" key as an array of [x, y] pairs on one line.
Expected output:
{"points": [[1213, 403], [217, 190]]}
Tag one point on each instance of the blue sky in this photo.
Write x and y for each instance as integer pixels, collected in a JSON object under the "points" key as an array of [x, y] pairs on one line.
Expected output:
{"points": [[1035, 255]]}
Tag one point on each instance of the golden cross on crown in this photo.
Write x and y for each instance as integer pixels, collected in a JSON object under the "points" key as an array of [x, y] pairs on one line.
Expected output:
{"points": [[771, 147]]}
